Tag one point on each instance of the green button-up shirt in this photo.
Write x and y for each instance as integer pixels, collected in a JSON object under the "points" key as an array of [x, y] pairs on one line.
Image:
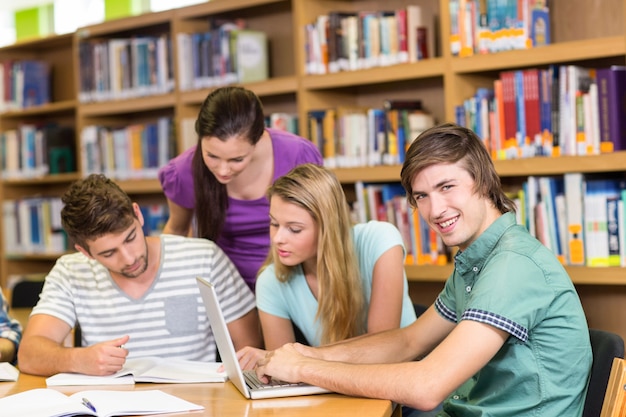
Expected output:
{"points": [[509, 280]]}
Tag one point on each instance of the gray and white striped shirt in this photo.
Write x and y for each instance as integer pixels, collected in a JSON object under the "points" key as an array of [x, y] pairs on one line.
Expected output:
{"points": [[169, 320]]}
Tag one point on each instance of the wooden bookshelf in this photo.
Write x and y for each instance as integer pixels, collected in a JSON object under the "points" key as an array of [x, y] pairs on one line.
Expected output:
{"points": [[441, 82]]}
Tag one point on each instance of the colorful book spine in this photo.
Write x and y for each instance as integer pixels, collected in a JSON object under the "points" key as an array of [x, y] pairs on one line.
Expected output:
{"points": [[612, 112]]}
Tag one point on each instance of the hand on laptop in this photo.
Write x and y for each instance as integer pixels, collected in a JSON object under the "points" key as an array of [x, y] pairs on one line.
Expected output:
{"points": [[249, 356], [282, 363]]}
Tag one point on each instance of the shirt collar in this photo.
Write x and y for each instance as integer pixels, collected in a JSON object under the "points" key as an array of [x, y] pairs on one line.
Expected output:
{"points": [[478, 252]]}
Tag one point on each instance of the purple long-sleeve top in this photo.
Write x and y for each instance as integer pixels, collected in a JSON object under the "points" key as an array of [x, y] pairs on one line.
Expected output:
{"points": [[245, 236]]}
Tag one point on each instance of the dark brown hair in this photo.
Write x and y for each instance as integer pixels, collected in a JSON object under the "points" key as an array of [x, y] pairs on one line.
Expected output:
{"points": [[226, 112]]}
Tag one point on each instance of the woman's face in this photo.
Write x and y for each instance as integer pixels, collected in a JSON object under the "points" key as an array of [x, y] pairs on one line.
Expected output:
{"points": [[293, 233], [226, 159]]}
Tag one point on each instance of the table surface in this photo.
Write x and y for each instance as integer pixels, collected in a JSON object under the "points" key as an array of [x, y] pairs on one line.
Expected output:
{"points": [[223, 399]]}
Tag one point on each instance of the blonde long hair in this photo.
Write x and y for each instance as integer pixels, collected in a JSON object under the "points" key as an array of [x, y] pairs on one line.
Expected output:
{"points": [[340, 294]]}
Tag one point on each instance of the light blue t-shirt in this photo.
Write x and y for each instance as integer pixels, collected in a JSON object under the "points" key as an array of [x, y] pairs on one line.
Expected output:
{"points": [[294, 300]]}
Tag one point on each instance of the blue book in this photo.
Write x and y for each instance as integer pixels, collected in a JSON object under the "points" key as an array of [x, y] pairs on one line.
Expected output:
{"points": [[519, 105], [36, 75]]}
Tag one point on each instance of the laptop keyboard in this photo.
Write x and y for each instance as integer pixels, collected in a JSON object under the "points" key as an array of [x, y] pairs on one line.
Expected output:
{"points": [[256, 383]]}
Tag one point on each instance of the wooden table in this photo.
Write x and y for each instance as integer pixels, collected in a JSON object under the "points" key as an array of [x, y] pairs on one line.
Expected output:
{"points": [[223, 399]]}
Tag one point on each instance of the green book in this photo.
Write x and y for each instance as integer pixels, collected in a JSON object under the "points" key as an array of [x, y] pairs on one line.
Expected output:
{"points": [[34, 22], [250, 55], [115, 9]]}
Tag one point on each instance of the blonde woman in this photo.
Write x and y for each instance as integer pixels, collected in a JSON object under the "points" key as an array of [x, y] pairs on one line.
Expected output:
{"points": [[331, 279]]}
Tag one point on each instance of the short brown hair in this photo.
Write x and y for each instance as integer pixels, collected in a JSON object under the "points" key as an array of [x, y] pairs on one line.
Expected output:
{"points": [[450, 143], [93, 207]]}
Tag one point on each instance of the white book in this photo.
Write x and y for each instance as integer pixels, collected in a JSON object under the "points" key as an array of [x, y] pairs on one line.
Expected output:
{"points": [[45, 402], [148, 369], [574, 203]]}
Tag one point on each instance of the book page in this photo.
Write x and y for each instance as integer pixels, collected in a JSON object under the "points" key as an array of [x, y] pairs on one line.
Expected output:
{"points": [[81, 379], [148, 369], [42, 402], [8, 372], [181, 371], [111, 403]]}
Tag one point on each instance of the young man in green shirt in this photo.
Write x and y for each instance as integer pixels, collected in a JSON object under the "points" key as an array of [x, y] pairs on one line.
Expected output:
{"points": [[507, 336]]}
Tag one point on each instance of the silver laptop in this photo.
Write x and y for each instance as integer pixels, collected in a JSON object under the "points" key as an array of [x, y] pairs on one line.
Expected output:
{"points": [[245, 381]]}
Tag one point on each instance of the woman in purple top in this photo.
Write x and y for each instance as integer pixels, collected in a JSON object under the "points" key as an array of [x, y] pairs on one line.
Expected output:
{"points": [[221, 183]]}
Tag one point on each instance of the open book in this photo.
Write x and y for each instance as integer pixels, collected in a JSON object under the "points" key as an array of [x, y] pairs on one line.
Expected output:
{"points": [[148, 369], [45, 402], [8, 372]]}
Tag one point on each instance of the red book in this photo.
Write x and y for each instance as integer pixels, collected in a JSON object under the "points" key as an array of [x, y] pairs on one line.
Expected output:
{"points": [[531, 103], [508, 105]]}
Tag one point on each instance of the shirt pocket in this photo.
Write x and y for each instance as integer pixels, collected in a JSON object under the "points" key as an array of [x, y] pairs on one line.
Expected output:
{"points": [[181, 314]]}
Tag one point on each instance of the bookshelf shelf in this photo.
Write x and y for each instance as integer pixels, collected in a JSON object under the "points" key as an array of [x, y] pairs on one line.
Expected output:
{"points": [[383, 173], [40, 44], [46, 109], [140, 186], [271, 87], [127, 25], [610, 162], [428, 68], [47, 179], [222, 6], [52, 256], [573, 51], [613, 276], [141, 104]]}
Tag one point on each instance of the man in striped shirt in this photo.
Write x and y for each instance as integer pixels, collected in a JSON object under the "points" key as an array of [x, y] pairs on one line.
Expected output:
{"points": [[132, 295]]}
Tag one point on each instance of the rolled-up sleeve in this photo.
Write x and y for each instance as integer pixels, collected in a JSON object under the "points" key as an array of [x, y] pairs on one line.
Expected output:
{"points": [[9, 328]]}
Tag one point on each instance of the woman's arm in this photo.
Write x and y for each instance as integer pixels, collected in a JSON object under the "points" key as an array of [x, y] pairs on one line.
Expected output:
{"points": [[385, 309], [179, 222], [276, 330]]}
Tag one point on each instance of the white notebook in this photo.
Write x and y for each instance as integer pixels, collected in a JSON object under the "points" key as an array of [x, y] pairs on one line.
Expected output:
{"points": [[47, 402]]}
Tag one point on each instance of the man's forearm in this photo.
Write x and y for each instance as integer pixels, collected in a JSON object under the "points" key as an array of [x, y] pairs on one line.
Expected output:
{"points": [[385, 347], [41, 356]]}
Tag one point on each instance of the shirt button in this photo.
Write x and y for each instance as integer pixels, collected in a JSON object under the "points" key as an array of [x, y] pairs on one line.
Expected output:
{"points": [[468, 288], [456, 397], [475, 269]]}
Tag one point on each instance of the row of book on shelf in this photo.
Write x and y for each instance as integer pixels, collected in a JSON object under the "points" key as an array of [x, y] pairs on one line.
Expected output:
{"points": [[361, 136], [122, 68], [136, 151], [348, 41], [582, 219], [227, 53], [559, 110], [24, 84], [33, 151], [387, 202], [33, 225], [488, 26], [123, 152]]}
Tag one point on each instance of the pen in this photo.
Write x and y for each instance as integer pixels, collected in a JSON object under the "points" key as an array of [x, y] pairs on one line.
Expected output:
{"points": [[89, 405]]}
